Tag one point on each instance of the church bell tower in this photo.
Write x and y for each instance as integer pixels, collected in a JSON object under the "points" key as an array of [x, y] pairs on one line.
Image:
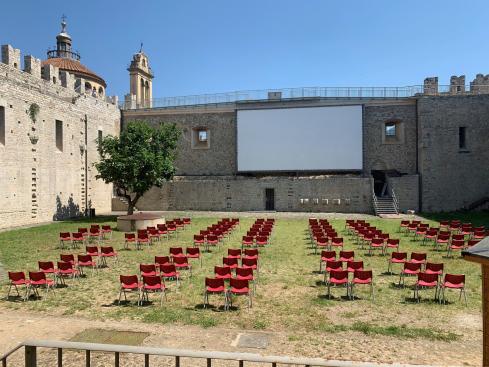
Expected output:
{"points": [[140, 80]]}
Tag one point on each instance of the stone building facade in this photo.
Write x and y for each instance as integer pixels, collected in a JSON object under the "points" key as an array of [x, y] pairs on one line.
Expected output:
{"points": [[48, 134], [424, 164]]}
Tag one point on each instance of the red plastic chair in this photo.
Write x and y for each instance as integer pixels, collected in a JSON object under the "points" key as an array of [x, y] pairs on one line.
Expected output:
{"points": [[472, 242], [250, 263], [17, 279], [199, 240], [169, 272], [84, 232], [187, 222], [92, 251], [376, 243], [94, 234], [222, 272], [128, 239], [176, 252], [148, 270], [434, 268], [107, 251], [325, 257], [338, 278], [239, 287], [47, 267], [453, 281], [231, 262], [162, 230], [66, 270], [442, 239], [332, 265], [129, 284], [86, 261], [106, 231], [181, 263], [65, 238], [162, 260], [153, 284], [410, 269], [153, 235], [362, 277], [321, 242], [142, 239], [262, 241], [396, 258], [211, 240], [455, 245], [419, 258], [194, 253], [215, 286], [392, 243], [77, 239], [347, 255], [247, 241], [403, 225], [246, 274], [234, 253], [337, 242], [352, 266], [37, 279], [431, 235], [426, 280]]}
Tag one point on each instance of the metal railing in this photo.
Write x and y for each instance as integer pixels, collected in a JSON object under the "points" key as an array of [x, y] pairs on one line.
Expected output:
{"points": [[396, 202], [374, 198], [217, 99], [31, 353]]}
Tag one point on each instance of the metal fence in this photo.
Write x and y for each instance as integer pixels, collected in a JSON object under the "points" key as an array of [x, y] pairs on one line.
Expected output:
{"points": [[118, 351]]}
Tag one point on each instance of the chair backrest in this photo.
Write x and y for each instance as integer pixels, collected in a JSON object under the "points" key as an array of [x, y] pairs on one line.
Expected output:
{"points": [[129, 280], [69, 258], [229, 261], [471, 243], [64, 235], [46, 265], [65, 265], [234, 252], [244, 272], [129, 236], [333, 264], [192, 251], [427, 277], [107, 228], [363, 275], [393, 241], [355, 265], [97, 226], [94, 230], [168, 268], [91, 249], [106, 249], [418, 256], [161, 227], [328, 254], [152, 280], [408, 265], [338, 274], [198, 237], [162, 260], [222, 270], [174, 251], [457, 279], [377, 241], [251, 252], [37, 276], [249, 262], [180, 260], [77, 236], [15, 276], [247, 239], [434, 267], [458, 243], [214, 282], [238, 283], [147, 268], [211, 238], [458, 237], [84, 258], [347, 254], [83, 230], [261, 239], [399, 255]]}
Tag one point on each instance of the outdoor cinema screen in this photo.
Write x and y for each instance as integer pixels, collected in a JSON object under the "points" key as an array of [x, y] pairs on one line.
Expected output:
{"points": [[300, 139]]}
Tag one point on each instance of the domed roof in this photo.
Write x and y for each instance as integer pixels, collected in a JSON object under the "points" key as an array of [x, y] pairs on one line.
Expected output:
{"points": [[74, 67]]}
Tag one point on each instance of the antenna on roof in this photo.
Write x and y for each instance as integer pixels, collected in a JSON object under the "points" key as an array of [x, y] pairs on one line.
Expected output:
{"points": [[141, 49], [63, 23]]}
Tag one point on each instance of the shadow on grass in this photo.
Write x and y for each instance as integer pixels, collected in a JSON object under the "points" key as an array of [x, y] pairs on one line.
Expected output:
{"points": [[478, 218]]}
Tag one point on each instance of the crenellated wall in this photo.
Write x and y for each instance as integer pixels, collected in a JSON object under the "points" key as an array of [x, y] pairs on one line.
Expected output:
{"points": [[38, 181]]}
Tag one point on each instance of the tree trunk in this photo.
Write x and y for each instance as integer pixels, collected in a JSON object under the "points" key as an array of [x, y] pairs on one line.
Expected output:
{"points": [[130, 207]]}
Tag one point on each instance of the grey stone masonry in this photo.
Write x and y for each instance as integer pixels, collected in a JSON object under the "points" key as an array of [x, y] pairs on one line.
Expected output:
{"points": [[11, 56], [32, 66]]}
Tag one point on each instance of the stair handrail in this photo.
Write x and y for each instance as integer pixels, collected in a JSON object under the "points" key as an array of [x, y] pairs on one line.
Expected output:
{"points": [[396, 202], [374, 197]]}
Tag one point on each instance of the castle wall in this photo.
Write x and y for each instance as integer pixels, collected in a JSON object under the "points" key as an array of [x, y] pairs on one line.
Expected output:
{"points": [[406, 189], [38, 181], [452, 178], [348, 194]]}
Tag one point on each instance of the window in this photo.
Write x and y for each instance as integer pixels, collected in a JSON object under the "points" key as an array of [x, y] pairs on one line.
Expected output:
{"points": [[59, 135], [2, 125], [100, 135], [200, 138], [390, 129], [462, 138]]}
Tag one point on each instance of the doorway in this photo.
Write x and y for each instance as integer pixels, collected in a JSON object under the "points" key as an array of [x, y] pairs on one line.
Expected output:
{"points": [[380, 182], [269, 199]]}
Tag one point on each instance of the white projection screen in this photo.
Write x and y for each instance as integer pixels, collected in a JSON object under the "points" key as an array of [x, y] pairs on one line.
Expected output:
{"points": [[300, 139]]}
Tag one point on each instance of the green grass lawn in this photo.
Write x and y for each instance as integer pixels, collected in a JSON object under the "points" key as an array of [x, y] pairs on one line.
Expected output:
{"points": [[290, 296]]}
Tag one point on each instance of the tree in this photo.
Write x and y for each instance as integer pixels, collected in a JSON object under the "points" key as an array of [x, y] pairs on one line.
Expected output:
{"points": [[140, 158]]}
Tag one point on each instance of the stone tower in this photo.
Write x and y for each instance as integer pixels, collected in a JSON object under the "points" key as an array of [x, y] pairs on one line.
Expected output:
{"points": [[141, 81]]}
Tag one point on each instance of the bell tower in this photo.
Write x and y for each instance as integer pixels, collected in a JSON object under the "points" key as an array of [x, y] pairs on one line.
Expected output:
{"points": [[141, 80]]}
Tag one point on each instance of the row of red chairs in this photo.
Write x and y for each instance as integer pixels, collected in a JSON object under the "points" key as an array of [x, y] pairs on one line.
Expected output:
{"points": [[371, 237], [149, 284], [259, 234], [85, 235], [215, 234]]}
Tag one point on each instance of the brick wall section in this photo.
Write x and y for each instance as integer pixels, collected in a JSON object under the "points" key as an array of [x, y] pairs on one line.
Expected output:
{"points": [[406, 190], [219, 159], [38, 183], [379, 155], [450, 178], [243, 193]]}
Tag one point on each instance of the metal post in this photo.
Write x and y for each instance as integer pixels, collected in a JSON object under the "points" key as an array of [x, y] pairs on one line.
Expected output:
{"points": [[146, 360], [177, 361], [60, 357], [87, 358], [116, 360], [30, 356]]}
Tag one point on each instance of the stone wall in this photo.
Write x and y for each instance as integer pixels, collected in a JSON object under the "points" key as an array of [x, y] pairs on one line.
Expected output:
{"points": [[380, 154], [323, 193], [452, 178], [406, 189], [39, 182], [219, 159]]}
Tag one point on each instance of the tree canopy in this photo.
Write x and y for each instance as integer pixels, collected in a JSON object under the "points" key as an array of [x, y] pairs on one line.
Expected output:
{"points": [[140, 158]]}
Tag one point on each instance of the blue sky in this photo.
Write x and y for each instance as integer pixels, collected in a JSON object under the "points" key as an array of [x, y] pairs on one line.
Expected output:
{"points": [[222, 45]]}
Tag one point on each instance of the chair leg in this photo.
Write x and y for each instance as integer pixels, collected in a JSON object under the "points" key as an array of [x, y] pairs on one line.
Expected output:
{"points": [[465, 296]]}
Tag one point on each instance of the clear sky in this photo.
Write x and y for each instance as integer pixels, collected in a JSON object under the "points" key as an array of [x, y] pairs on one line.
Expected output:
{"points": [[198, 46]]}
